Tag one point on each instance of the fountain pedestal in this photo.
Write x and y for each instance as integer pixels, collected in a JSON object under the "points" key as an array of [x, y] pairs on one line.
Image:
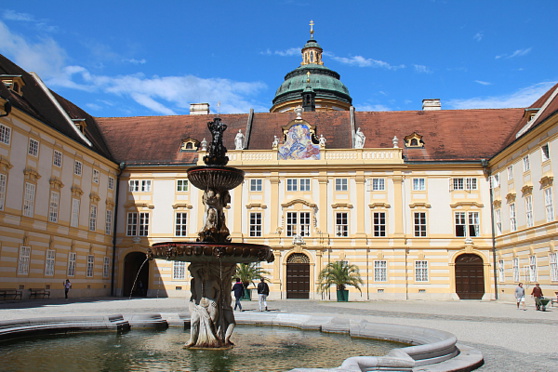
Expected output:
{"points": [[212, 257]]}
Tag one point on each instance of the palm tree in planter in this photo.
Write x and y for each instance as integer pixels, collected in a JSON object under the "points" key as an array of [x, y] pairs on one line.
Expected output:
{"points": [[340, 274], [249, 273]]}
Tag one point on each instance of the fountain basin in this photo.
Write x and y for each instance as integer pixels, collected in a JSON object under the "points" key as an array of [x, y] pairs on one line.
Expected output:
{"points": [[211, 252], [215, 177]]}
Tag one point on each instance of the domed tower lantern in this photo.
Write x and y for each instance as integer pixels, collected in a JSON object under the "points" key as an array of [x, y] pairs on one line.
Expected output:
{"points": [[312, 85]]}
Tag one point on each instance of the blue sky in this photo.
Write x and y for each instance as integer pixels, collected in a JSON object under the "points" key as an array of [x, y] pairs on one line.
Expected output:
{"points": [[135, 58]]}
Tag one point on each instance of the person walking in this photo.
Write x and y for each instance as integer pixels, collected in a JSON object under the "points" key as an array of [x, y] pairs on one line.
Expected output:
{"points": [[263, 292], [520, 296], [238, 289], [538, 294], [67, 286]]}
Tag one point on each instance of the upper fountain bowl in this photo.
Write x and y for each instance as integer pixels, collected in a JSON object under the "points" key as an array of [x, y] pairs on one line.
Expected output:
{"points": [[215, 177]]}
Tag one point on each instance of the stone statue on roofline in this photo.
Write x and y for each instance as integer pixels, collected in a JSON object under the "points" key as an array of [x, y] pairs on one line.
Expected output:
{"points": [[360, 138], [322, 141], [239, 140], [275, 143]]}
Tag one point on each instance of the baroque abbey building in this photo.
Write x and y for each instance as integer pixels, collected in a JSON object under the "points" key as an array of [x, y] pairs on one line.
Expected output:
{"points": [[429, 204]]}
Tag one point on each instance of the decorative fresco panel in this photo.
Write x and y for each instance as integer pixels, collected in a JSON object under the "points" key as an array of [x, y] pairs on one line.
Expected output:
{"points": [[298, 144]]}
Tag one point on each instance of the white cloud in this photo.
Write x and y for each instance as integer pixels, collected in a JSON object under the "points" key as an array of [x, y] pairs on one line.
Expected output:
{"points": [[361, 61], [522, 98], [482, 82], [12, 15], [372, 108], [478, 36], [283, 53], [516, 53], [162, 94], [422, 69]]}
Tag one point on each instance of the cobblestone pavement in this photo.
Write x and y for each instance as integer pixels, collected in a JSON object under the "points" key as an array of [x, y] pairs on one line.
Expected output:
{"points": [[510, 339]]}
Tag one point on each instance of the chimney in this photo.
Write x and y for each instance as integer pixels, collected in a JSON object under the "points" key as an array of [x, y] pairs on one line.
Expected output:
{"points": [[430, 104], [199, 108]]}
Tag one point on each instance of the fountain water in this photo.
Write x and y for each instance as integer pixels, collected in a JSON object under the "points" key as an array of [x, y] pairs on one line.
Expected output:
{"points": [[212, 257]]}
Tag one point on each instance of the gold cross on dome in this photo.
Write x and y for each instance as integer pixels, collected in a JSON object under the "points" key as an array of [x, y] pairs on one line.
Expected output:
{"points": [[311, 29]]}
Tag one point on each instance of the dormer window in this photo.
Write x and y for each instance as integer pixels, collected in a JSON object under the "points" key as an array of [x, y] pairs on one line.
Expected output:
{"points": [[13, 82], [189, 144], [414, 140], [80, 124]]}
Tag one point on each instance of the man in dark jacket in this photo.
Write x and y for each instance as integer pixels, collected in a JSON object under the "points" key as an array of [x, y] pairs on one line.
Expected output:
{"points": [[537, 293], [238, 289], [263, 292]]}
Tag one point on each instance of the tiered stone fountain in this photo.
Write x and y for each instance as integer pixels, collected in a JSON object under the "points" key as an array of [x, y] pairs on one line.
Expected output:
{"points": [[212, 256]]}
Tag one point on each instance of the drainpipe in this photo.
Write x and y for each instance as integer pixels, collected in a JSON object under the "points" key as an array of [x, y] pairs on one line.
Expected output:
{"points": [[115, 219], [488, 174]]}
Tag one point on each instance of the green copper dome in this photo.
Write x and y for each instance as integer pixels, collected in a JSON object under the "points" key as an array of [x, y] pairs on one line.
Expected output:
{"points": [[322, 80], [330, 92]]}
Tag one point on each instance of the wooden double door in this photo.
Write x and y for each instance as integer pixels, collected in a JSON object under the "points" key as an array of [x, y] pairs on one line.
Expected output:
{"points": [[298, 276], [469, 277]]}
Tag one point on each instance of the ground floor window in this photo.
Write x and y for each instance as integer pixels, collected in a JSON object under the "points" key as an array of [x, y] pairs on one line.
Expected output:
{"points": [[553, 267], [421, 271], [179, 270], [380, 271], [90, 266], [516, 270], [71, 264], [24, 257], [501, 276]]}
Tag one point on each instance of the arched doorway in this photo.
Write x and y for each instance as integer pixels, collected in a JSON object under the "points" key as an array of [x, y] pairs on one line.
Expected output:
{"points": [[132, 264], [298, 276], [469, 277]]}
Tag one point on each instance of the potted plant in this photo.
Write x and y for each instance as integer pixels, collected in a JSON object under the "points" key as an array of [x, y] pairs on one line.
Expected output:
{"points": [[249, 273], [340, 274]]}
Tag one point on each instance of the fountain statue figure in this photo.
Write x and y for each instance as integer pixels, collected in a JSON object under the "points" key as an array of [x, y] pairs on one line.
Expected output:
{"points": [[213, 257]]}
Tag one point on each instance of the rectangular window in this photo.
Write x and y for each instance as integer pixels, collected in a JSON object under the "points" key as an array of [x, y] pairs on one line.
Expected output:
{"points": [[292, 184], [419, 184], [5, 134], [533, 269], [95, 176], [49, 262], [3, 183], [496, 180], [33, 148], [90, 266], [526, 165], [421, 271], [553, 267], [498, 221], [379, 221], [419, 219], [24, 258], [501, 276], [341, 184], [57, 158], [71, 264], [515, 263], [29, 199], [180, 228], [341, 224], [380, 271], [179, 270], [545, 152], [74, 221], [378, 184], [467, 224], [137, 224], [53, 206], [140, 185], [111, 183], [305, 184], [93, 218], [510, 172], [78, 168], [298, 223], [108, 222], [255, 224], [513, 220], [529, 210], [467, 183], [181, 185], [547, 203], [256, 185], [106, 267], [132, 224]]}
